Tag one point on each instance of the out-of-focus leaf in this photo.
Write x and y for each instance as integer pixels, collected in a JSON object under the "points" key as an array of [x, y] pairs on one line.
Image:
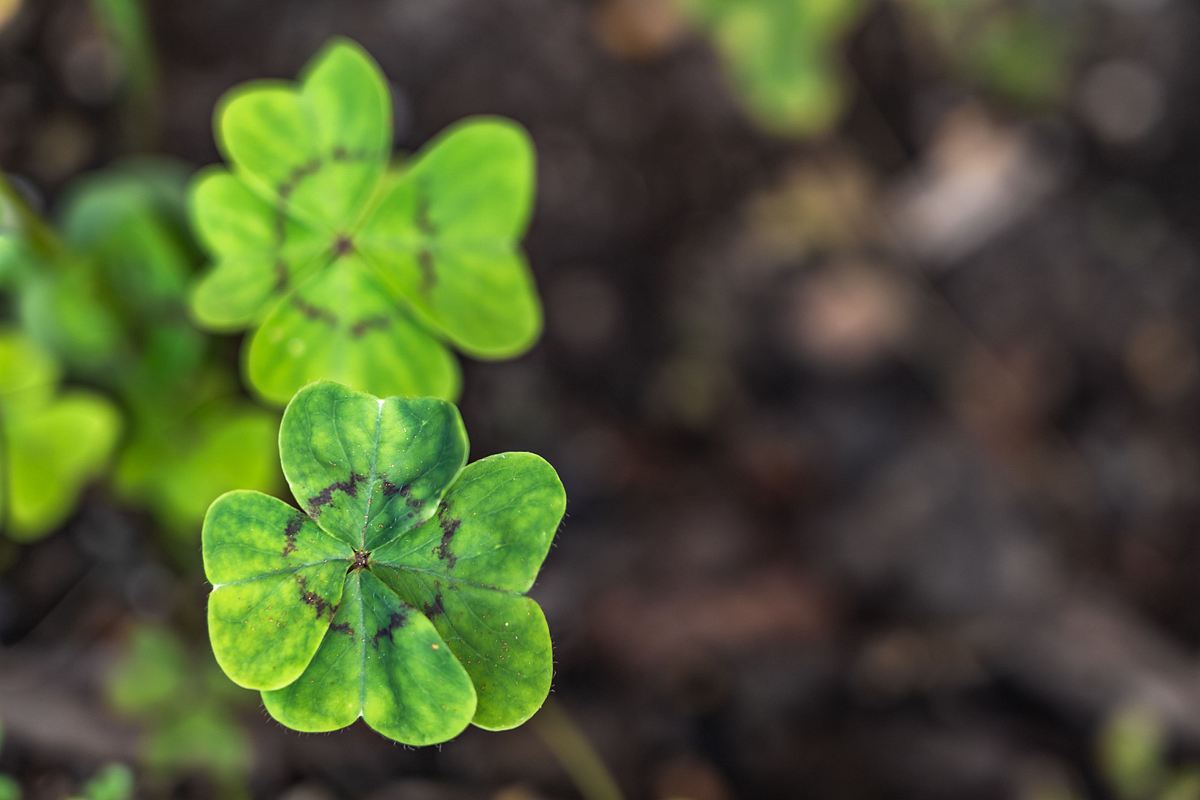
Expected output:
{"points": [[345, 271], [1131, 753], [177, 463], [782, 56], [1021, 51], [110, 305], [185, 708], [113, 782], [150, 675], [204, 740], [52, 443], [125, 21]]}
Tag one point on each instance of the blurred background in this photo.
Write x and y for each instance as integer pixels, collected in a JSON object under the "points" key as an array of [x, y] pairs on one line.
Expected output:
{"points": [[871, 367]]}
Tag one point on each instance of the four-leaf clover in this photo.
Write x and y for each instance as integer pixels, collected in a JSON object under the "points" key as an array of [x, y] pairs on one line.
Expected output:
{"points": [[398, 593], [348, 270]]}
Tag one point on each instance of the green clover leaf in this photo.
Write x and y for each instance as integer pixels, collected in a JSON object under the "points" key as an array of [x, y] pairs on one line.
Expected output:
{"points": [[346, 270], [51, 444], [398, 593]]}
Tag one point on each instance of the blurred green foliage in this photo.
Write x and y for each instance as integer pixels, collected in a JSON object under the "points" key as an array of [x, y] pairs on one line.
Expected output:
{"points": [[186, 707], [1021, 50], [112, 782], [125, 23], [783, 56], [51, 443], [1132, 755], [107, 296]]}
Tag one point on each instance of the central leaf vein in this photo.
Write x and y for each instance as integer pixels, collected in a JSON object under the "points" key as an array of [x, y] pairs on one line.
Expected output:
{"points": [[373, 472]]}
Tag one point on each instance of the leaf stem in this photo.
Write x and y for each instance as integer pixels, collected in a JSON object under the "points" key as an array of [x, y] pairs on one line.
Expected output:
{"points": [[36, 231], [126, 23], [5, 500], [578, 758]]}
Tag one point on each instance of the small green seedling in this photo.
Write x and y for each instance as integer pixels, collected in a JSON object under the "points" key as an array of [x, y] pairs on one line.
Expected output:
{"points": [[1132, 753], [1021, 50], [112, 782], [782, 57], [185, 706], [398, 593], [51, 443], [346, 270]]}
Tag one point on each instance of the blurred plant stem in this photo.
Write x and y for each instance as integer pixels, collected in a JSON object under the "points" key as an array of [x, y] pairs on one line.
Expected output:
{"points": [[570, 746], [124, 21], [16, 215], [4, 500]]}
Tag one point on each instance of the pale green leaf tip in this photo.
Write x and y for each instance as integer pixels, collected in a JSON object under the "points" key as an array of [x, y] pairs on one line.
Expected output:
{"points": [[236, 95], [339, 45]]}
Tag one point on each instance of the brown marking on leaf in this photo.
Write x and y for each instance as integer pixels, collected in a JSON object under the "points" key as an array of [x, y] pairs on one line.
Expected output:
{"points": [[376, 323], [391, 490], [342, 627], [421, 217], [433, 609], [395, 622], [340, 153], [449, 528], [409, 500], [325, 496], [284, 191], [296, 175], [315, 313], [289, 533], [320, 605], [428, 269], [342, 245], [289, 184], [425, 225], [281, 277]]}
